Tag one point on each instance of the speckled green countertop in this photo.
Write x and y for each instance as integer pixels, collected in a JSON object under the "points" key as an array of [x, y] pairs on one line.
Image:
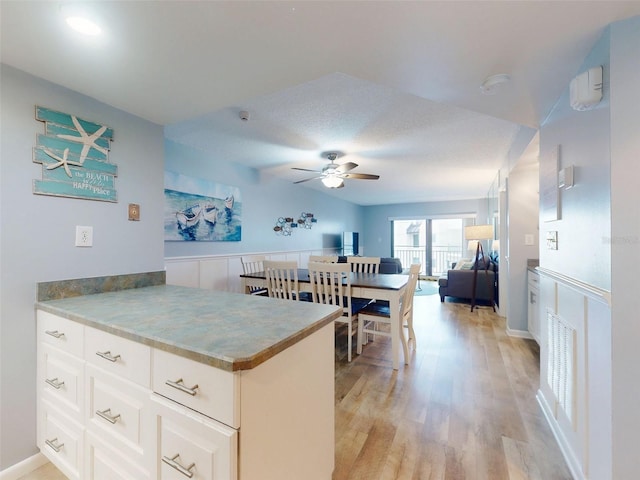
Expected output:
{"points": [[229, 331]]}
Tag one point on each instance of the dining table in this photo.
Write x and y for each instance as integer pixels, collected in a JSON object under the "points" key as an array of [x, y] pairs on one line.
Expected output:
{"points": [[377, 286]]}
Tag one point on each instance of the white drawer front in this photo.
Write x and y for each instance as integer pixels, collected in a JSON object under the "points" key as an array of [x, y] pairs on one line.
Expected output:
{"points": [[115, 412], [118, 355], [217, 392], [190, 443], [62, 380], [60, 332], [61, 441], [102, 463]]}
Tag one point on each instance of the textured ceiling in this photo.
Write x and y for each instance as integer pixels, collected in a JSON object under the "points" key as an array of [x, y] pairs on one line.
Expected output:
{"points": [[392, 85]]}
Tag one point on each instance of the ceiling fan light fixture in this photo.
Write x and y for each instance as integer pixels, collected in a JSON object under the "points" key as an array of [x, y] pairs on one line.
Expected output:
{"points": [[331, 181], [492, 84]]}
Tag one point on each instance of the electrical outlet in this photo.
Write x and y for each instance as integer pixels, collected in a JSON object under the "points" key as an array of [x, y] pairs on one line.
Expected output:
{"points": [[84, 236]]}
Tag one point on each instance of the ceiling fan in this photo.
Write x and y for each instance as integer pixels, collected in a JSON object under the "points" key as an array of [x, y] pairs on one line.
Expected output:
{"points": [[333, 175]]}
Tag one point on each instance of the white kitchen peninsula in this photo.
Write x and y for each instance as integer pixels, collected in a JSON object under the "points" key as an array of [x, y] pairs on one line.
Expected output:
{"points": [[171, 382]]}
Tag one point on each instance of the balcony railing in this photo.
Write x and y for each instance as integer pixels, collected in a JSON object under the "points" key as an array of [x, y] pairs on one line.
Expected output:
{"points": [[442, 256]]}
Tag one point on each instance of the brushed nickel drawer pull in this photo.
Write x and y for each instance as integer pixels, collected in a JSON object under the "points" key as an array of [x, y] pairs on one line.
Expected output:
{"points": [[179, 384], [186, 471], [106, 414], [107, 356], [55, 383], [54, 444], [54, 333]]}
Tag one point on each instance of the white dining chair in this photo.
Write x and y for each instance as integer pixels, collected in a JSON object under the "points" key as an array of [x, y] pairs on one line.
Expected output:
{"points": [[375, 318], [364, 264], [254, 264], [323, 258], [282, 279], [331, 284]]}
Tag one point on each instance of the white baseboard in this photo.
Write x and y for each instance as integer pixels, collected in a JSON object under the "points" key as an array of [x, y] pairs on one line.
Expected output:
{"points": [[567, 453], [519, 334], [24, 467]]}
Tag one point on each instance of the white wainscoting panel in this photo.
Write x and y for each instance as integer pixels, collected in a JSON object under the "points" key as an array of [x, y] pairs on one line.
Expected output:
{"points": [[214, 273], [575, 372], [184, 273], [222, 272]]}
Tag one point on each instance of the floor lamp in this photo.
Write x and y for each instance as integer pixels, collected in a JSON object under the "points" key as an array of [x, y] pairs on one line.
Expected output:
{"points": [[478, 233]]}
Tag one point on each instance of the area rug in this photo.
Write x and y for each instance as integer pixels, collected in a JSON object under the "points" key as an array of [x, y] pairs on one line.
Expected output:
{"points": [[426, 287]]}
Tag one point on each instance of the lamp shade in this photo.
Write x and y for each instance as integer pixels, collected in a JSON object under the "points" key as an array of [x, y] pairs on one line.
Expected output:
{"points": [[478, 232], [472, 245], [495, 246]]}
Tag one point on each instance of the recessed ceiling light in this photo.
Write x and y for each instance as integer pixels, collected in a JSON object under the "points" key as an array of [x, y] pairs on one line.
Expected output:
{"points": [[492, 84], [77, 17], [84, 25]]}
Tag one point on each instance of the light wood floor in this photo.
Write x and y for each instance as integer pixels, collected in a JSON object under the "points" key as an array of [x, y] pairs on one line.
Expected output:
{"points": [[463, 409]]}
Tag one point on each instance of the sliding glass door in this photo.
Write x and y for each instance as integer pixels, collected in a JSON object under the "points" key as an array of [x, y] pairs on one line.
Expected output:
{"points": [[436, 243], [409, 242], [447, 239]]}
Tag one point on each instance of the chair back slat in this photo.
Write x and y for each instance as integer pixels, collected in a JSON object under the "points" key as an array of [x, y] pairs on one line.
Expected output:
{"points": [[409, 293], [282, 279], [364, 264], [323, 258], [253, 264], [331, 284]]}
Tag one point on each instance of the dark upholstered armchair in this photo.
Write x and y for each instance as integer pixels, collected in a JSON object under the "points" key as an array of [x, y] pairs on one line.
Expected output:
{"points": [[459, 283]]}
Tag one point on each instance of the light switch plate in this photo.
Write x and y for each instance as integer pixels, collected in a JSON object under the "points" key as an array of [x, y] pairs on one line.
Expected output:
{"points": [[84, 236], [528, 239]]}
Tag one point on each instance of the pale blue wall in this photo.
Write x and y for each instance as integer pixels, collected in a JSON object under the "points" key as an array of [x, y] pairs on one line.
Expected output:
{"points": [[599, 229], [585, 210], [523, 220], [376, 235], [625, 245], [264, 199], [37, 232]]}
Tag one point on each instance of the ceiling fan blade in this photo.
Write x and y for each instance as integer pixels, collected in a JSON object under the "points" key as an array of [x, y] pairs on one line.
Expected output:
{"points": [[305, 170], [308, 179], [345, 167], [360, 176]]}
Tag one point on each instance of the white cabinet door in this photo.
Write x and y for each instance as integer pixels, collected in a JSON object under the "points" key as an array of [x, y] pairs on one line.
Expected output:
{"points": [[62, 333], [118, 356], [191, 445], [118, 413], [533, 313], [61, 380], [60, 440], [205, 389], [104, 463]]}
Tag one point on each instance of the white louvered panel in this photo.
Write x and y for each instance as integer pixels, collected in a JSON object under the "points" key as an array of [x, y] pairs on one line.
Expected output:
{"points": [[552, 356], [561, 364]]}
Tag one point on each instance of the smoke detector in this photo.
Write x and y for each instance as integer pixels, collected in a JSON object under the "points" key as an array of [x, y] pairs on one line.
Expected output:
{"points": [[492, 84]]}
